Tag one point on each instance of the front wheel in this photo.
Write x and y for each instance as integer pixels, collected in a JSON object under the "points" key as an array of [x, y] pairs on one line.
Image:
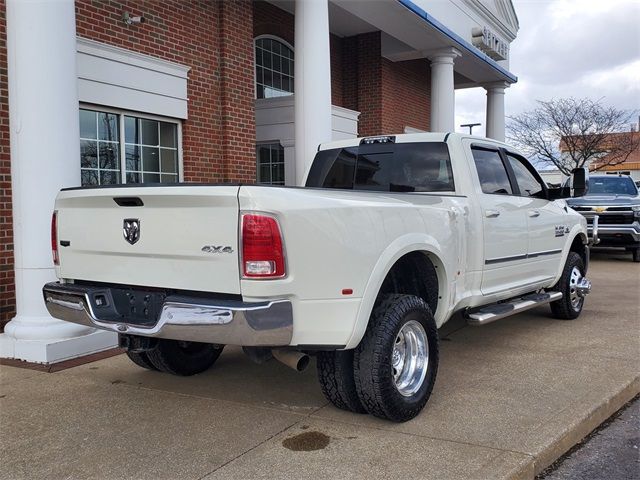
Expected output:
{"points": [[636, 254], [571, 303], [396, 363], [183, 358]]}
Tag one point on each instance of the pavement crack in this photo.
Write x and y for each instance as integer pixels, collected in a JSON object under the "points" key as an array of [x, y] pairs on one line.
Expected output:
{"points": [[249, 450]]}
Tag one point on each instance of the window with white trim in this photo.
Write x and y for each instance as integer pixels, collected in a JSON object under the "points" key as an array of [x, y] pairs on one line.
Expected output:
{"points": [[274, 68], [270, 157], [118, 147]]}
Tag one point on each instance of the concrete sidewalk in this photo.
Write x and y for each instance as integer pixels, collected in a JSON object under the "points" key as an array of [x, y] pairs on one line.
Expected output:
{"points": [[510, 398]]}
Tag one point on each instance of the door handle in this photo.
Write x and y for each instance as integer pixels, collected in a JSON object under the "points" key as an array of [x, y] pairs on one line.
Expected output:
{"points": [[491, 213], [534, 213]]}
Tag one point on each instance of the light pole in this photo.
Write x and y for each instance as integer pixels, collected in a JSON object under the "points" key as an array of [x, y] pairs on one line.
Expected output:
{"points": [[470, 125]]}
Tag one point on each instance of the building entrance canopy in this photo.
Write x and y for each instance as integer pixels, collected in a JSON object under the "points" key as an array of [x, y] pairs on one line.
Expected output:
{"points": [[411, 31]]}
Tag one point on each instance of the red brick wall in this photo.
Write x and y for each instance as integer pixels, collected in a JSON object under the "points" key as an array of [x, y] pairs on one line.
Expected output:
{"points": [[219, 136], [363, 68], [7, 286], [237, 90], [388, 95], [406, 95], [271, 20]]}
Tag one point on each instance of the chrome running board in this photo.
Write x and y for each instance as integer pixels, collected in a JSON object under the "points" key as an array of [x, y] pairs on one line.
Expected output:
{"points": [[494, 312]]}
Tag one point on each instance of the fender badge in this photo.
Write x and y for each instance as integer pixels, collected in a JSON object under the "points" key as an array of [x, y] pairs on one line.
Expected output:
{"points": [[216, 249]]}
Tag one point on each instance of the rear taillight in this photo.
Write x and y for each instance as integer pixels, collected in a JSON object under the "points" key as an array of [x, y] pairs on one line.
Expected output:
{"points": [[262, 250], [54, 238]]}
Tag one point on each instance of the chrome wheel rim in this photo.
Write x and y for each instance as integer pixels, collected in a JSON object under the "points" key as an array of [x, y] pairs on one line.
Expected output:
{"points": [[410, 358], [574, 280]]}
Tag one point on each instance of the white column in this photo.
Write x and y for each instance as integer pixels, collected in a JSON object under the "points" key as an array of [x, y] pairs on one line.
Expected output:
{"points": [[312, 81], [44, 139], [495, 110], [442, 89], [289, 146]]}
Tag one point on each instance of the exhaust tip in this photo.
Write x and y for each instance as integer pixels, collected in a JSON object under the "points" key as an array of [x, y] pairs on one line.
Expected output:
{"points": [[303, 363], [292, 359]]}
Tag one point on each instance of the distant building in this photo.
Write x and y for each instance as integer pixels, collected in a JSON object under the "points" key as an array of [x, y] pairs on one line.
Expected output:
{"points": [[607, 162], [631, 166]]}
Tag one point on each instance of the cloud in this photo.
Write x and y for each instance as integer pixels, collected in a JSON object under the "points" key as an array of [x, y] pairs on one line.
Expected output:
{"points": [[585, 48]]}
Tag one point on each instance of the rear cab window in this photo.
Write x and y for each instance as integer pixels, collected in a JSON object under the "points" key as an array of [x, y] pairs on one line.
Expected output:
{"points": [[385, 167]]}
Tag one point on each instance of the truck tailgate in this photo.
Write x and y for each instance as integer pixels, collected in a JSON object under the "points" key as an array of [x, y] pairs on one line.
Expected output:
{"points": [[188, 236]]}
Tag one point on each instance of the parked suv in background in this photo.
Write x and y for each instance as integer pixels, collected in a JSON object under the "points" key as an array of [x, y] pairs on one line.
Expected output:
{"points": [[615, 199]]}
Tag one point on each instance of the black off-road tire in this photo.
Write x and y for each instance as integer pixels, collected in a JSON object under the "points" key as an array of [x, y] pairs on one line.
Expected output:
{"points": [[563, 308], [335, 373], [184, 358], [372, 360], [141, 359], [636, 255]]}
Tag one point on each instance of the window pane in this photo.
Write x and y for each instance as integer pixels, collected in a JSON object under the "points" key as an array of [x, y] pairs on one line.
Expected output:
{"points": [[134, 177], [108, 126], [527, 183], [149, 129], [277, 173], [88, 127], [109, 155], [89, 177], [151, 177], [491, 172], [132, 157], [264, 154], [264, 174], [150, 160], [168, 135], [131, 130], [169, 161], [109, 177], [164, 178], [88, 154], [267, 60]]}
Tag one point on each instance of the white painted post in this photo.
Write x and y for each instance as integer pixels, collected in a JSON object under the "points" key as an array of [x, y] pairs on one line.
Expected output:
{"points": [[312, 82], [45, 156], [495, 110], [442, 89]]}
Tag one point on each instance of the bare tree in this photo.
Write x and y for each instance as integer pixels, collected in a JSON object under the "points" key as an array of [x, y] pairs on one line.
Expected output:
{"points": [[572, 133]]}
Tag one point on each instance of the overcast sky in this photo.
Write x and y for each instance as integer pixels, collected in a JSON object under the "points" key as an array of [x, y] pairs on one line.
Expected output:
{"points": [[580, 48]]}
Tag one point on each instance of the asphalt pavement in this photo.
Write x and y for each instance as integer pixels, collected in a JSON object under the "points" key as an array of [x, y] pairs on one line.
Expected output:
{"points": [[611, 452]]}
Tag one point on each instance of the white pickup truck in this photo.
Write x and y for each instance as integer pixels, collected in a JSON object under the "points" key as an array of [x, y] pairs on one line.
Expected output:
{"points": [[390, 237]]}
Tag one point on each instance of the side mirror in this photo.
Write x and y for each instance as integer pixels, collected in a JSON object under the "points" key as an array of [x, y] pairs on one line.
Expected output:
{"points": [[579, 182]]}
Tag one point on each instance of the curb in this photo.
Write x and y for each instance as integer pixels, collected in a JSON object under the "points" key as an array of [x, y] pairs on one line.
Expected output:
{"points": [[578, 430]]}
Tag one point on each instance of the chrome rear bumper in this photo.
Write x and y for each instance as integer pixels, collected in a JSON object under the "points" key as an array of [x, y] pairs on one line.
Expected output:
{"points": [[181, 317]]}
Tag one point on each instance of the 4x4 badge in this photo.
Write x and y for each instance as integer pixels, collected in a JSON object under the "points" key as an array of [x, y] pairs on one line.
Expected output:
{"points": [[131, 230]]}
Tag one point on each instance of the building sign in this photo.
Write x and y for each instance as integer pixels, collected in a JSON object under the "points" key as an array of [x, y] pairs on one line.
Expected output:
{"points": [[490, 43]]}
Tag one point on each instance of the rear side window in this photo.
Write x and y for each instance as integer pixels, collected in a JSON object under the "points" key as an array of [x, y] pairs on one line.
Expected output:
{"points": [[401, 167], [491, 172]]}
